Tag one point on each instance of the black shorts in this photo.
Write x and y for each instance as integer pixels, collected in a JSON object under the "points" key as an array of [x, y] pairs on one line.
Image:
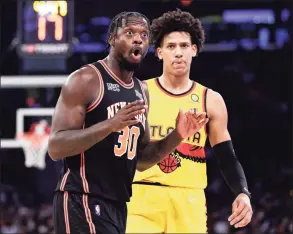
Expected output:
{"points": [[81, 213]]}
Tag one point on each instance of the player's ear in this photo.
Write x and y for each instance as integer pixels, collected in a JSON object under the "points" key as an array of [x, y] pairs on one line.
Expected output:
{"points": [[111, 40], [159, 53], [194, 50]]}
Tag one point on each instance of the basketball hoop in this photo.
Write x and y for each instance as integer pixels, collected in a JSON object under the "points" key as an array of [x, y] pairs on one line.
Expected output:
{"points": [[35, 144]]}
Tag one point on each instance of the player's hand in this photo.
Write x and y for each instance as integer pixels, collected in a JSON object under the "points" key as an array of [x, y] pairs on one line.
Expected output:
{"points": [[187, 124], [125, 116], [241, 211]]}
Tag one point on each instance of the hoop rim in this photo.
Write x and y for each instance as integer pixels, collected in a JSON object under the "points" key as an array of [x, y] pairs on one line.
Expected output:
{"points": [[35, 139]]}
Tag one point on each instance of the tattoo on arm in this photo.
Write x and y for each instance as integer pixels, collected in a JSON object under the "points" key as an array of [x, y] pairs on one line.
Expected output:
{"points": [[153, 152]]}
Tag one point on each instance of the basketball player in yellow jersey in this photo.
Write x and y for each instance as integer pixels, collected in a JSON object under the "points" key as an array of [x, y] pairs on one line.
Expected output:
{"points": [[169, 197]]}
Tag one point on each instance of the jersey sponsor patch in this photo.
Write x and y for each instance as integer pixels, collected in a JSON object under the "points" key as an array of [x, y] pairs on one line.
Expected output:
{"points": [[113, 87]]}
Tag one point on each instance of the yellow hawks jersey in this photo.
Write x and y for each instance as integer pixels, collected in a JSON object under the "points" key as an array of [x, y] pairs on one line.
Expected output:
{"points": [[186, 166]]}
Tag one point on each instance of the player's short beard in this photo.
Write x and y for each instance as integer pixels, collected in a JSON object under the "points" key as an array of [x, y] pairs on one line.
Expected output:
{"points": [[124, 64]]}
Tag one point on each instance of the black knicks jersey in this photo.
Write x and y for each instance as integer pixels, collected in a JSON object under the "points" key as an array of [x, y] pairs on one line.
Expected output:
{"points": [[107, 168]]}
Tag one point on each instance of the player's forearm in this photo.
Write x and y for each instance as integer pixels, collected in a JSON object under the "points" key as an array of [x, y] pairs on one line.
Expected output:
{"points": [[235, 177], [156, 151], [231, 168], [68, 143]]}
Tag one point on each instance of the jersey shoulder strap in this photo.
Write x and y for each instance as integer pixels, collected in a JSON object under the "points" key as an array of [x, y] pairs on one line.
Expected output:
{"points": [[141, 85]]}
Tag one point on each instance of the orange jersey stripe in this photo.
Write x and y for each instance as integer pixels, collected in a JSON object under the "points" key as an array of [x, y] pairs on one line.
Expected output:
{"points": [[63, 182], [65, 207], [127, 86], [204, 106], [88, 214], [82, 171], [97, 101]]}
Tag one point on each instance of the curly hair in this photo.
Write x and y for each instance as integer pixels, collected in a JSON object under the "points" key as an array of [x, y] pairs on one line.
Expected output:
{"points": [[177, 21]]}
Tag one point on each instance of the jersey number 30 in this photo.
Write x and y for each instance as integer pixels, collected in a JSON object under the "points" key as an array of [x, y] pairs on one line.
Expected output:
{"points": [[127, 142]]}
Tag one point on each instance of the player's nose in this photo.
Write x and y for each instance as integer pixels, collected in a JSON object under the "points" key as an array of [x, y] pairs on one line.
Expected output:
{"points": [[137, 39], [178, 53]]}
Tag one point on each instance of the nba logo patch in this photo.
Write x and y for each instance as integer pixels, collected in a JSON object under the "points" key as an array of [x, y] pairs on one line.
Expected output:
{"points": [[194, 98], [97, 210]]}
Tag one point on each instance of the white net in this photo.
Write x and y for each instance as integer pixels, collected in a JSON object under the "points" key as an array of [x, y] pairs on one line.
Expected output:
{"points": [[35, 144]]}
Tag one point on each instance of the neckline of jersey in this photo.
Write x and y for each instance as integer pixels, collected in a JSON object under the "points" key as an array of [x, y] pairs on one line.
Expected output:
{"points": [[173, 94], [116, 78]]}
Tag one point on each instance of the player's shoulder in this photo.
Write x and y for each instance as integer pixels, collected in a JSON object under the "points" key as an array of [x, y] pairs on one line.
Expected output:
{"points": [[214, 102], [213, 95], [83, 77], [210, 93], [215, 105], [82, 84]]}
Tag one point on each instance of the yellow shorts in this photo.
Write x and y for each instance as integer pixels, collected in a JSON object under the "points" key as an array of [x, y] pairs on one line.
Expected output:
{"points": [[161, 209]]}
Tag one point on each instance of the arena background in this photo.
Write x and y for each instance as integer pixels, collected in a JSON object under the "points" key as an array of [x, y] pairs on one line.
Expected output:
{"points": [[247, 58]]}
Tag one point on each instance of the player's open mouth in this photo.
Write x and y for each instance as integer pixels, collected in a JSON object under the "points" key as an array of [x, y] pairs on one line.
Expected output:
{"points": [[136, 54]]}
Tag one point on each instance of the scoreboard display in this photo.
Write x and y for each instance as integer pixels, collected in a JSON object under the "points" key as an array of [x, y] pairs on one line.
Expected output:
{"points": [[45, 28]]}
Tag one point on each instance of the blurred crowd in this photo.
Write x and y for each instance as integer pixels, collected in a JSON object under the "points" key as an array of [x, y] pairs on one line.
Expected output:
{"points": [[272, 206]]}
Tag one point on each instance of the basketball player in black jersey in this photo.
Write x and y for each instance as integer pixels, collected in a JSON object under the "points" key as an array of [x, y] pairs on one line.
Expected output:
{"points": [[100, 130]]}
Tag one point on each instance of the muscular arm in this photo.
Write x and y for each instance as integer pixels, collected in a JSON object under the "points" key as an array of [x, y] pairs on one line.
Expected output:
{"points": [[222, 145], [68, 137], [217, 113], [152, 152]]}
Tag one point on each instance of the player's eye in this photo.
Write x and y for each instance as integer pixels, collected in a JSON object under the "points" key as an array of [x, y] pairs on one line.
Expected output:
{"points": [[170, 46], [129, 33], [144, 35]]}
